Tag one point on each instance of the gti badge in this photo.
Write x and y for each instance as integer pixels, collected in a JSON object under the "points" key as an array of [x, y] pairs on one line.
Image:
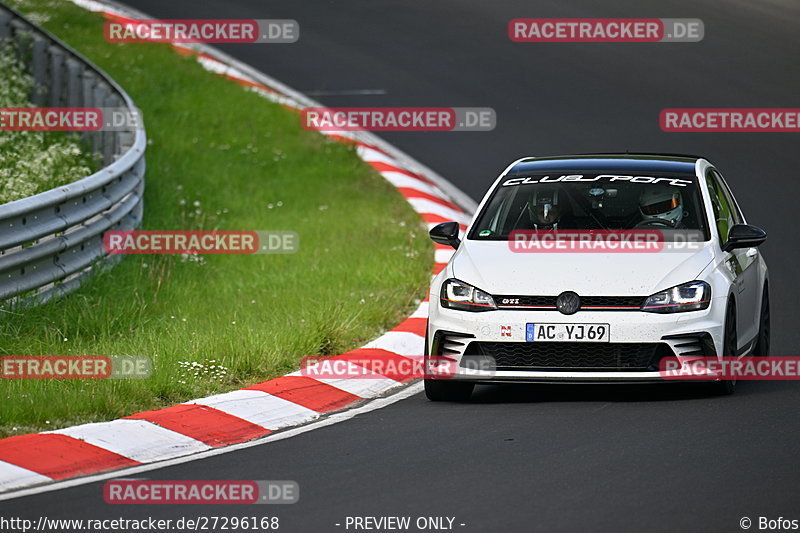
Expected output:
{"points": [[568, 302]]}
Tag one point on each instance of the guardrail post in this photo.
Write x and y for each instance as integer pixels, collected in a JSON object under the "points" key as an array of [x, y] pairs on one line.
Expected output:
{"points": [[5, 25], [39, 71], [74, 87], [57, 81], [88, 84]]}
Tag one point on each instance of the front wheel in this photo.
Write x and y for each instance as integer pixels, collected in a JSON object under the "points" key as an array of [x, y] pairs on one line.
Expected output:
{"points": [[442, 390], [728, 386], [762, 345]]}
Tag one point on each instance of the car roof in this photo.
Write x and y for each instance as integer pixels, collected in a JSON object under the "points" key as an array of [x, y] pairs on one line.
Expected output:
{"points": [[667, 163]]}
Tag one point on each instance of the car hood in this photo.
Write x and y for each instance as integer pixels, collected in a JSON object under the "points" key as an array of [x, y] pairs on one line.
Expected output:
{"points": [[494, 268]]}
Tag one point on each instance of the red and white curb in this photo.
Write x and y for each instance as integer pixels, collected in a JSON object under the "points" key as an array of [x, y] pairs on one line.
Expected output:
{"points": [[233, 418]]}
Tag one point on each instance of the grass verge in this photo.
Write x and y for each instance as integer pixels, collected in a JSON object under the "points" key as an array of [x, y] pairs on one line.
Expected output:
{"points": [[218, 158]]}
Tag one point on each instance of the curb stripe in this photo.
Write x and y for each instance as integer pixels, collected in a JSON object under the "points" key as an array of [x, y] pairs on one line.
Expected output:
{"points": [[308, 392], [203, 423], [367, 385], [259, 408], [139, 440], [59, 456], [370, 155], [410, 193], [383, 166], [415, 325], [13, 477], [421, 312], [404, 180], [399, 342], [387, 363], [426, 206]]}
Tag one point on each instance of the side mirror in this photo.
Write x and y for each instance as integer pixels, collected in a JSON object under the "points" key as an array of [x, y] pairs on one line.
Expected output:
{"points": [[445, 233], [744, 236]]}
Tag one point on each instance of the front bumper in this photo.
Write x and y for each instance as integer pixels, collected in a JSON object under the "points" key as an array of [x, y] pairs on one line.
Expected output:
{"points": [[457, 336]]}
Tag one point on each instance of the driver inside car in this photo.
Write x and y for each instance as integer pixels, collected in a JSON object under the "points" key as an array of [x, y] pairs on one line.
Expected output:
{"points": [[661, 206], [546, 210]]}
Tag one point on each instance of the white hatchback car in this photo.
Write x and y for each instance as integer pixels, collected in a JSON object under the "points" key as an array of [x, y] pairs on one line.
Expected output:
{"points": [[513, 305]]}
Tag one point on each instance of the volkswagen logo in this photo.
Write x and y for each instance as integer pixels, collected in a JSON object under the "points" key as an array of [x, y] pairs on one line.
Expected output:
{"points": [[568, 302]]}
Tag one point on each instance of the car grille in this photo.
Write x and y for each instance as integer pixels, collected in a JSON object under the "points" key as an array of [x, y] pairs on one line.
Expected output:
{"points": [[570, 356], [588, 303]]}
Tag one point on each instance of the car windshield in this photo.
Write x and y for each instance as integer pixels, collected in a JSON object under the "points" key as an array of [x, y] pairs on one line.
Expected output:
{"points": [[591, 202]]}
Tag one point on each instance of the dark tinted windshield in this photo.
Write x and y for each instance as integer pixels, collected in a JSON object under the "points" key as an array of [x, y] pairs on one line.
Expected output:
{"points": [[591, 202]]}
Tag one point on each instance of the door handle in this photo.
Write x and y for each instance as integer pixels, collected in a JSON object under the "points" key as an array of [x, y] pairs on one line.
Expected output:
{"points": [[752, 252]]}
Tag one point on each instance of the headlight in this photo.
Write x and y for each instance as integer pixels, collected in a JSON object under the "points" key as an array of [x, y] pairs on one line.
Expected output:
{"points": [[459, 295], [692, 296]]}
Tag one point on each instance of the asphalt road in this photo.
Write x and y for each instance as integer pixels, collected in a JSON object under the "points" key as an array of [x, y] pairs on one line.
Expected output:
{"points": [[663, 458]]}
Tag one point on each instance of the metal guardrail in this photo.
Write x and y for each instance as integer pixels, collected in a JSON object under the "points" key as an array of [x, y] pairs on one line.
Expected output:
{"points": [[51, 241]]}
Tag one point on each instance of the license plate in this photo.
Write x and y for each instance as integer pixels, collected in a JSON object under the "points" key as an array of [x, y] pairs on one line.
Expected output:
{"points": [[535, 332]]}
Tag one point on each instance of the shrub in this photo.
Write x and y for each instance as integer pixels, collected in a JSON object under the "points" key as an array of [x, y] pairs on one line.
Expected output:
{"points": [[34, 161]]}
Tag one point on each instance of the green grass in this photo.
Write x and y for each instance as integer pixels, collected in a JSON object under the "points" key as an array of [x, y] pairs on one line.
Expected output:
{"points": [[364, 259]]}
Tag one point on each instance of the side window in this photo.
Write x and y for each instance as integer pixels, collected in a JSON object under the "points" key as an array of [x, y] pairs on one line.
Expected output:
{"points": [[726, 191], [721, 206]]}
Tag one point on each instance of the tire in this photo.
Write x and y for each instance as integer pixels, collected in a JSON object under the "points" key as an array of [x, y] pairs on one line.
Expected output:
{"points": [[442, 390], [763, 342], [727, 387]]}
